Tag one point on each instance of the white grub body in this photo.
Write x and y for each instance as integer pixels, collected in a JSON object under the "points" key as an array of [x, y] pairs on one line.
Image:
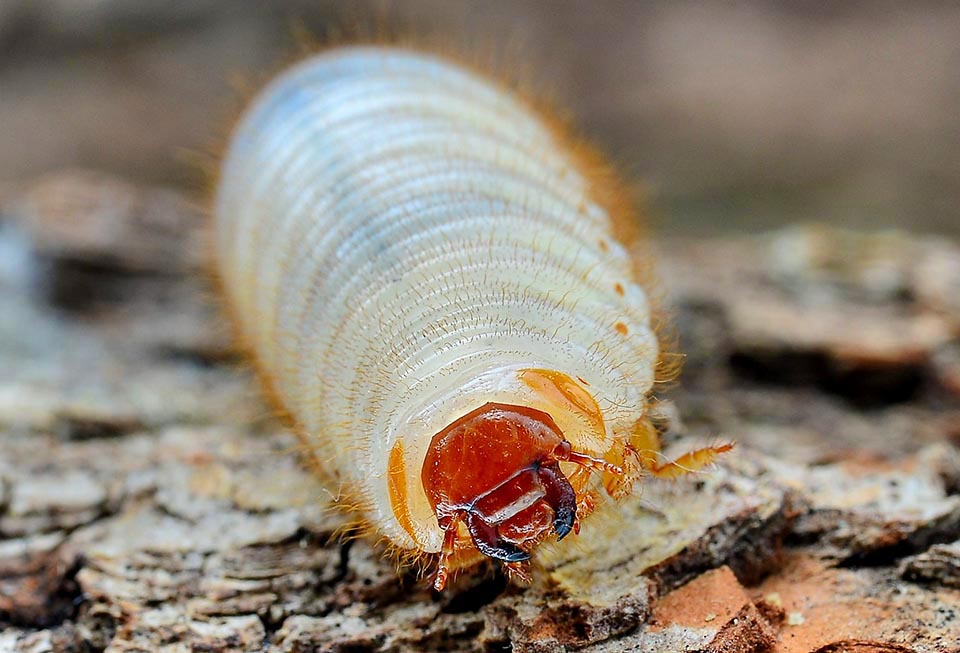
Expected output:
{"points": [[397, 237]]}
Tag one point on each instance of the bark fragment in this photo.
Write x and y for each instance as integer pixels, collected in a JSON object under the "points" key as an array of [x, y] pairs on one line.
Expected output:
{"points": [[148, 500]]}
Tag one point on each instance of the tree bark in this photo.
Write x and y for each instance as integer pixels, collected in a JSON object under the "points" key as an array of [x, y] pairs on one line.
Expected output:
{"points": [[150, 502]]}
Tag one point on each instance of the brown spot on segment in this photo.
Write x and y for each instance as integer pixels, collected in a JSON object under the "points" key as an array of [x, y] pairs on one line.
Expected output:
{"points": [[618, 288], [397, 487], [604, 246], [582, 380], [621, 328], [558, 388]]}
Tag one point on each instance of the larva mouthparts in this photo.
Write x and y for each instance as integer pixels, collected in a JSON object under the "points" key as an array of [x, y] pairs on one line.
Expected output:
{"points": [[425, 272]]}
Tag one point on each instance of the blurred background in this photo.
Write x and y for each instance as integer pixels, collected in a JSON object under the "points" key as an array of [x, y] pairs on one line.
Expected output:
{"points": [[733, 116]]}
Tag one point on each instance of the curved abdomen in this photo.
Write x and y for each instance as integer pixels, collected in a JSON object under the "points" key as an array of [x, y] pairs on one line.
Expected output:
{"points": [[390, 228]]}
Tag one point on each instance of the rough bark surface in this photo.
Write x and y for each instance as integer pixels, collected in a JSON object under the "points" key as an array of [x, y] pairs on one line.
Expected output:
{"points": [[149, 501]]}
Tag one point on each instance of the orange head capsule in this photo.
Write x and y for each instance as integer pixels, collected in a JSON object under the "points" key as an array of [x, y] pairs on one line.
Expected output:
{"points": [[496, 470]]}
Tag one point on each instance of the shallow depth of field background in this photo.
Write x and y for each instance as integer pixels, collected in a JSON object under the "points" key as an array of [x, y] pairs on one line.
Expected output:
{"points": [[735, 116]]}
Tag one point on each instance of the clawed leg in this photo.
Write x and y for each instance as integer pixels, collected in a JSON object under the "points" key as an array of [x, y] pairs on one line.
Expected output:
{"points": [[644, 446], [586, 502], [691, 461], [565, 452], [443, 565], [519, 571], [587, 464]]}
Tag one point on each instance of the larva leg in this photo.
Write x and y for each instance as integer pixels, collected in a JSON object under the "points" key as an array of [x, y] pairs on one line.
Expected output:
{"points": [[585, 502], [642, 456], [691, 461], [519, 571], [443, 566], [585, 506], [590, 462]]}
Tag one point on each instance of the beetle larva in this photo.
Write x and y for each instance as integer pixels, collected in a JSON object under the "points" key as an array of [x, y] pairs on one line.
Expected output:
{"points": [[429, 285]]}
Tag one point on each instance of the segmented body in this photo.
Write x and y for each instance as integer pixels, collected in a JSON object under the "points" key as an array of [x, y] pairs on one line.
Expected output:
{"points": [[403, 241]]}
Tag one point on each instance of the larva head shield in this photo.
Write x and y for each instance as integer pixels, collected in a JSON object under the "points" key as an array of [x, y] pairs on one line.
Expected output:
{"points": [[496, 471]]}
